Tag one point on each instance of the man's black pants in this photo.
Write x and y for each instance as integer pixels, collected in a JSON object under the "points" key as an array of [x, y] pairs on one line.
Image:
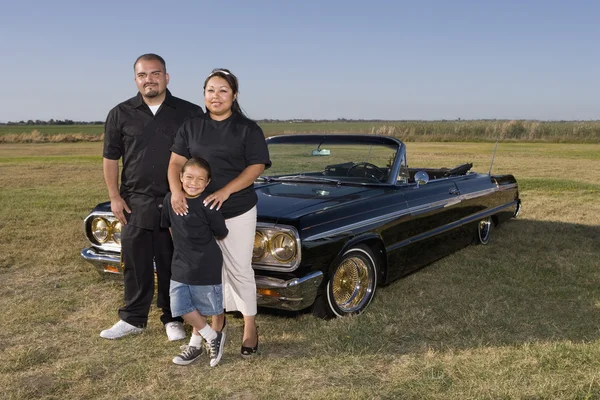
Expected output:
{"points": [[140, 247]]}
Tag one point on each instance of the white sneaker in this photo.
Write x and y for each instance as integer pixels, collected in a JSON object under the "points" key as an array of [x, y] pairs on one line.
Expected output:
{"points": [[175, 331], [119, 330]]}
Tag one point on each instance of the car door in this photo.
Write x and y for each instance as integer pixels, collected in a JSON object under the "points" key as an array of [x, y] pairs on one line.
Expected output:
{"points": [[429, 233]]}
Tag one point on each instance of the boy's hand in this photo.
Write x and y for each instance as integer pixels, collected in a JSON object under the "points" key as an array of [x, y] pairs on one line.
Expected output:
{"points": [[117, 206]]}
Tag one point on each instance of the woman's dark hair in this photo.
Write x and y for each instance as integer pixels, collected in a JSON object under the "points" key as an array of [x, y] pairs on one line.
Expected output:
{"points": [[233, 84], [198, 162]]}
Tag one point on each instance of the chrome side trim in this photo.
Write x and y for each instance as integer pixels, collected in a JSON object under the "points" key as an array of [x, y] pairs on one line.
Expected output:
{"points": [[380, 219], [384, 218], [453, 225], [397, 214], [479, 193], [508, 187]]}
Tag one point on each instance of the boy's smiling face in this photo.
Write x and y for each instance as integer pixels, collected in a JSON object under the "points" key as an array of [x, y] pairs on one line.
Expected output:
{"points": [[194, 180]]}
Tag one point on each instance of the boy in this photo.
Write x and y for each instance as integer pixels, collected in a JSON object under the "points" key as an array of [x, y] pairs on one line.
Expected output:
{"points": [[196, 291]]}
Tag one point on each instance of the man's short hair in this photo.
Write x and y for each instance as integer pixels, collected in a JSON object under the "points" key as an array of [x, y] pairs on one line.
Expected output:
{"points": [[151, 57]]}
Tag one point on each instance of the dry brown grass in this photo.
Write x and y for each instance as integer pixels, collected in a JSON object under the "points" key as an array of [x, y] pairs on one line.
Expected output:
{"points": [[410, 131], [517, 319], [36, 136]]}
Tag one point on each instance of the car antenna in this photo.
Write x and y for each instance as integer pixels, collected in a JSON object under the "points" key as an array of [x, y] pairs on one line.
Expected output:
{"points": [[493, 155]]}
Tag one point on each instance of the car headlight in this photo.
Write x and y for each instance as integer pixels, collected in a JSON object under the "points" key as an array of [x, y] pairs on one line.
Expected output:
{"points": [[116, 231], [276, 248], [100, 229], [103, 230], [261, 245], [283, 247]]}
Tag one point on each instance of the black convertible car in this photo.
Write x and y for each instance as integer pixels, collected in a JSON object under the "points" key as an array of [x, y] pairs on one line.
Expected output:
{"points": [[340, 215]]}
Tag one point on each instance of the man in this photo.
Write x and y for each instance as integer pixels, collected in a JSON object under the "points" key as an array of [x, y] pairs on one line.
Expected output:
{"points": [[141, 131]]}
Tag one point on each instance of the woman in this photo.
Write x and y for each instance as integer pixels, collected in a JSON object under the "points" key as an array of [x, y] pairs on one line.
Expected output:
{"points": [[235, 148]]}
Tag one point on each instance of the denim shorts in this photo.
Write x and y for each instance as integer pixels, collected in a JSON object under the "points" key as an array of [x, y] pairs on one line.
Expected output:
{"points": [[206, 299]]}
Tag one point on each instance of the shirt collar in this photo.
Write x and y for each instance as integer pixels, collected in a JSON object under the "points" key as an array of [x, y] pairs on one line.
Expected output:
{"points": [[138, 101]]}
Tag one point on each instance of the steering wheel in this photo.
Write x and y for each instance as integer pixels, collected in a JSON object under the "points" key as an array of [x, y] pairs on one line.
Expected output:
{"points": [[368, 171]]}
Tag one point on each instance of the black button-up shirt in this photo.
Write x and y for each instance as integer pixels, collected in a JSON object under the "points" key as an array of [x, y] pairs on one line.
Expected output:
{"points": [[144, 140]]}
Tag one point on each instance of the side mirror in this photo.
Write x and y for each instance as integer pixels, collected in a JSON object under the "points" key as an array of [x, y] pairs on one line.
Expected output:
{"points": [[421, 178]]}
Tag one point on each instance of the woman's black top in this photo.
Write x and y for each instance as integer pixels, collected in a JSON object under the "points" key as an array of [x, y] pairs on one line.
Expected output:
{"points": [[229, 146]]}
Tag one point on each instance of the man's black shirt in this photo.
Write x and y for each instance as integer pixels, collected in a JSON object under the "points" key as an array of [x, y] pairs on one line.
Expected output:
{"points": [[197, 258], [229, 146], [144, 140]]}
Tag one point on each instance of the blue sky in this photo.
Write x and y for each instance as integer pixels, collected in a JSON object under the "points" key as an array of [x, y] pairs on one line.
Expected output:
{"points": [[310, 59]]}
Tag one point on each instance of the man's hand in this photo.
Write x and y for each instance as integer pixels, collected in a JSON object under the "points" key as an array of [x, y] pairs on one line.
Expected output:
{"points": [[179, 203], [111, 177], [117, 206]]}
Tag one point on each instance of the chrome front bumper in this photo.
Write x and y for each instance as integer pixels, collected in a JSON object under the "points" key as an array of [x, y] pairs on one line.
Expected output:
{"points": [[104, 262], [294, 294]]}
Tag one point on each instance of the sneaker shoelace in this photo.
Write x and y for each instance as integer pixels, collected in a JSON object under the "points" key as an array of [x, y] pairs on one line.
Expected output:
{"points": [[187, 352], [214, 348]]}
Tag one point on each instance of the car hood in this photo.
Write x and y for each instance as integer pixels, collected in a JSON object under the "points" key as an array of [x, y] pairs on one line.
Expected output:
{"points": [[294, 200]]}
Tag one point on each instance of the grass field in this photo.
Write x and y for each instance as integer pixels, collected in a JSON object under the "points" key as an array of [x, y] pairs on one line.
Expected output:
{"points": [[411, 131], [516, 319]]}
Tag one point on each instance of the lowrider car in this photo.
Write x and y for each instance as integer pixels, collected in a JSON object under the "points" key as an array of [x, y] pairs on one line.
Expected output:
{"points": [[341, 215]]}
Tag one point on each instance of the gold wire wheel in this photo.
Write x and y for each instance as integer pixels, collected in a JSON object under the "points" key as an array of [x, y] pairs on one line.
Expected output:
{"points": [[352, 284], [484, 228]]}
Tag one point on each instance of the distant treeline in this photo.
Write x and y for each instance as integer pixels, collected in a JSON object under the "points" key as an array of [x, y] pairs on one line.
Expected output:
{"points": [[300, 121], [52, 122], [410, 131]]}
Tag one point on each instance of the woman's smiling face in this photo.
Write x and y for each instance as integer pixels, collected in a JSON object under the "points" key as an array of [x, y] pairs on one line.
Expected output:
{"points": [[218, 98]]}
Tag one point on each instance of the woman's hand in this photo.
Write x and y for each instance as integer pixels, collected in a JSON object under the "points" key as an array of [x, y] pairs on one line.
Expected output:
{"points": [[243, 180], [179, 203], [217, 198]]}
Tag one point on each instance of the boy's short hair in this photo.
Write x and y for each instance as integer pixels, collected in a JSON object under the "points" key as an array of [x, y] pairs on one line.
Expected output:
{"points": [[198, 162]]}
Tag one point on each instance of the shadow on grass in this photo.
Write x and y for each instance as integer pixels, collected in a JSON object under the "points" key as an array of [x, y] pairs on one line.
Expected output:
{"points": [[535, 282]]}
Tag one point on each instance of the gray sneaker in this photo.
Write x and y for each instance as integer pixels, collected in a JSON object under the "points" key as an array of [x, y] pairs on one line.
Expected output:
{"points": [[188, 355], [215, 348]]}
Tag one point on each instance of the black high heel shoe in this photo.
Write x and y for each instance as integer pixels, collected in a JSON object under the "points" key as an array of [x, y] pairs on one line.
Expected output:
{"points": [[250, 352]]}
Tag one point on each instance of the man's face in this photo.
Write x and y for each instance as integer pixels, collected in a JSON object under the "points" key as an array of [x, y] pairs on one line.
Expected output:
{"points": [[151, 78]]}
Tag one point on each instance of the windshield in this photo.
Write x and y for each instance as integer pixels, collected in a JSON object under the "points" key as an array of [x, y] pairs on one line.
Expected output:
{"points": [[334, 163]]}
